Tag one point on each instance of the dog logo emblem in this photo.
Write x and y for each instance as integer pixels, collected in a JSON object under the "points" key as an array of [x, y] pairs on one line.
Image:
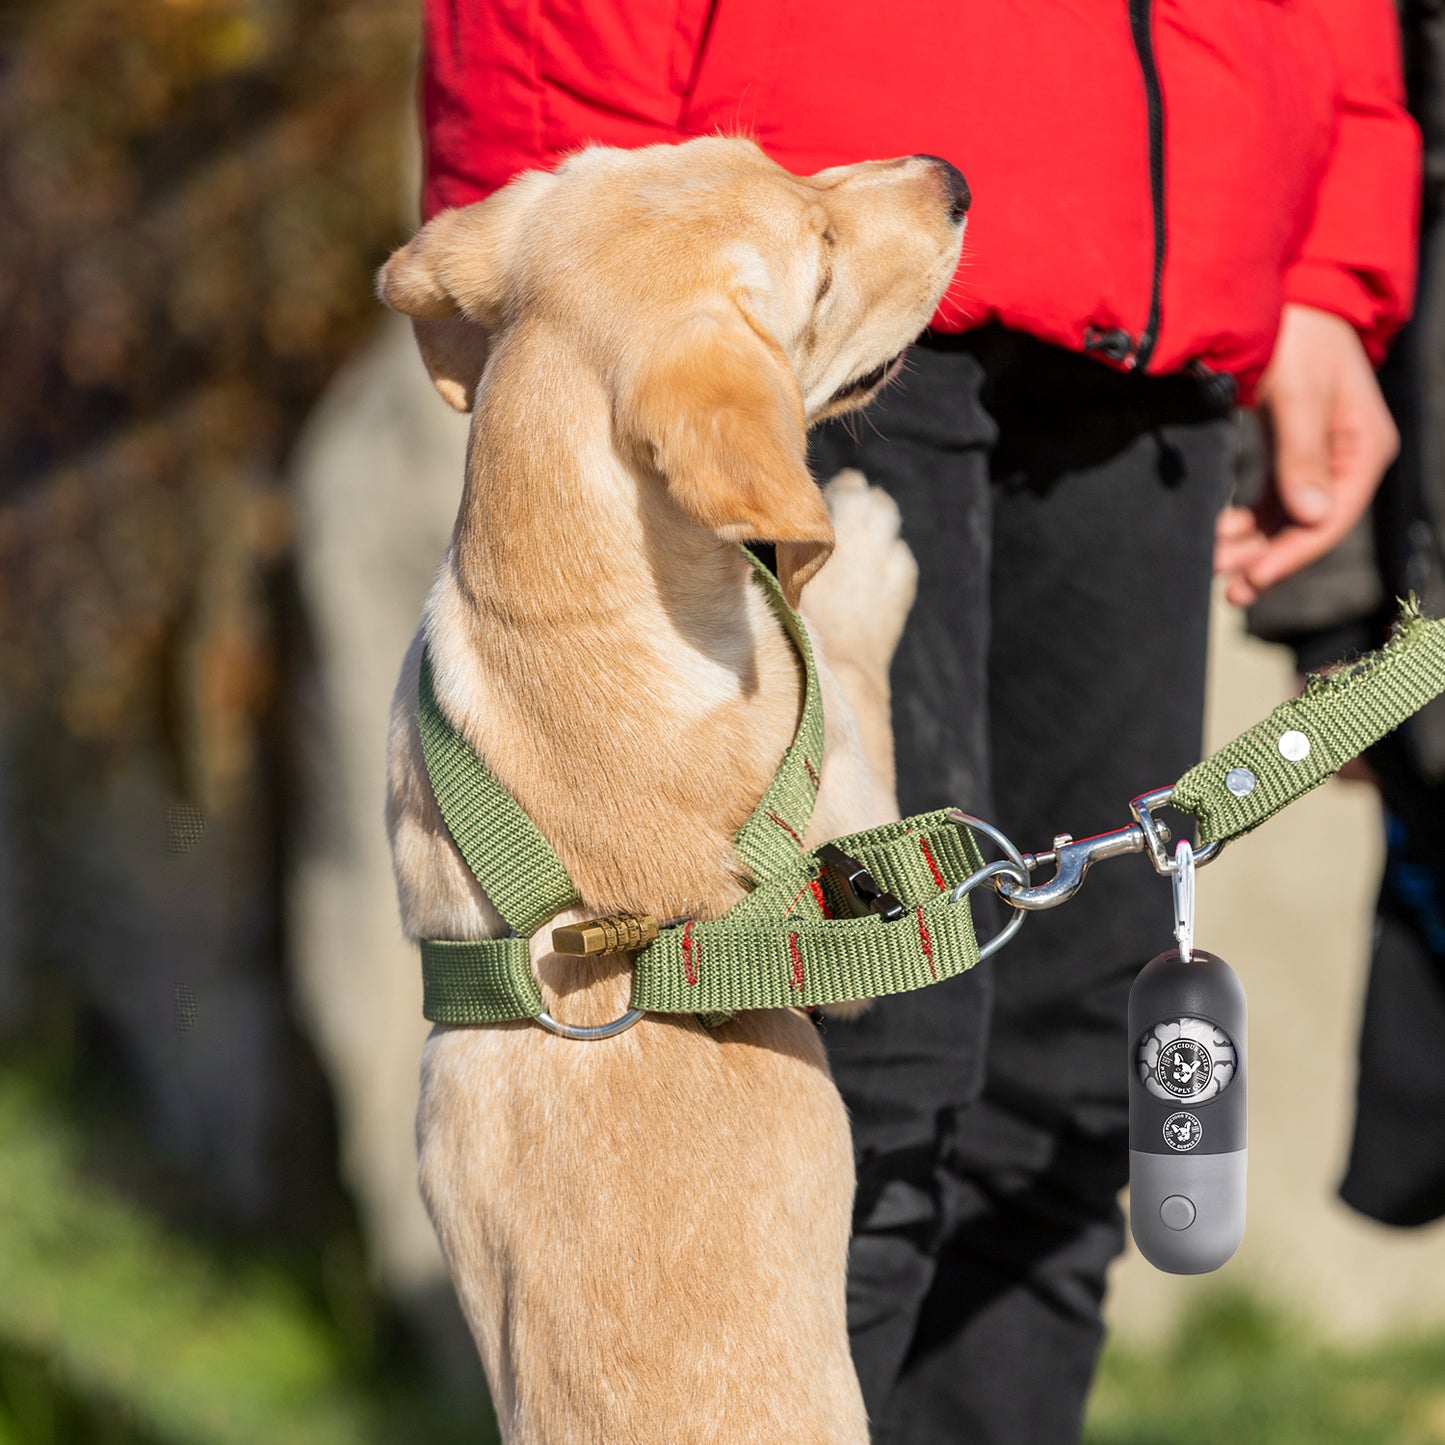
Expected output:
{"points": [[1182, 1132], [1184, 1068]]}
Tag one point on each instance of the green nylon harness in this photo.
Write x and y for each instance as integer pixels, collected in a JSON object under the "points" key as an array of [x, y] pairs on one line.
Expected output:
{"points": [[793, 940]]}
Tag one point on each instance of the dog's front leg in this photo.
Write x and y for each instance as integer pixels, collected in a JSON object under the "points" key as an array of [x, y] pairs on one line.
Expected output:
{"points": [[856, 607]]}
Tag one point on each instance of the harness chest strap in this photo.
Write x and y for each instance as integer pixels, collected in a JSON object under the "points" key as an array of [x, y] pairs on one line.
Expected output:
{"points": [[785, 944]]}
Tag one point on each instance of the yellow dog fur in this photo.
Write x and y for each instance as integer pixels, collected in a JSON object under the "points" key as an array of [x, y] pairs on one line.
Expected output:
{"points": [[648, 1234]]}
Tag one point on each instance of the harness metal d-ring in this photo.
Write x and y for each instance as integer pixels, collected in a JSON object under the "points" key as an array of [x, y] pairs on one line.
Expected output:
{"points": [[588, 1033], [1012, 866]]}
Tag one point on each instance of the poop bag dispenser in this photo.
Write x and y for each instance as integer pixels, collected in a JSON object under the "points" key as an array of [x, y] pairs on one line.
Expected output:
{"points": [[1187, 1118]]}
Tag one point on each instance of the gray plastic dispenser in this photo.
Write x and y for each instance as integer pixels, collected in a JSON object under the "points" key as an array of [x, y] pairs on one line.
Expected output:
{"points": [[1187, 1124]]}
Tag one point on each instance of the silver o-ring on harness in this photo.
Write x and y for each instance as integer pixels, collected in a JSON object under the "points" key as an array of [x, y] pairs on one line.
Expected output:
{"points": [[585, 1032], [1012, 866]]}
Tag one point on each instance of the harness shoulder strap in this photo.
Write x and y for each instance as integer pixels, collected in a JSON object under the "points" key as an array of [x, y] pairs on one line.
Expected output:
{"points": [[772, 837], [504, 848], [515, 863]]}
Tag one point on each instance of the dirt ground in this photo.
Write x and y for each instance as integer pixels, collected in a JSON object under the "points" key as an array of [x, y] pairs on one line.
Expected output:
{"points": [[1290, 908]]}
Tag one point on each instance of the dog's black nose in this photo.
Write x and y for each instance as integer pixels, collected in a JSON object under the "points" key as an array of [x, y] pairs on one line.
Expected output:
{"points": [[954, 185]]}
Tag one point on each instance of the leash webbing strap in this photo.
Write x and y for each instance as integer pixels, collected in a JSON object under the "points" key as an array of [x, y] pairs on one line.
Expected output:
{"points": [[793, 940], [1310, 737]]}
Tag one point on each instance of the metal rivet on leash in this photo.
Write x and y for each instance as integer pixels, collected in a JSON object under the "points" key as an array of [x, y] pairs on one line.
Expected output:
{"points": [[1239, 781], [1294, 746]]}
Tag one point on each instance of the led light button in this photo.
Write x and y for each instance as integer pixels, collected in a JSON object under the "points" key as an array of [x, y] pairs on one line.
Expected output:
{"points": [[1177, 1211]]}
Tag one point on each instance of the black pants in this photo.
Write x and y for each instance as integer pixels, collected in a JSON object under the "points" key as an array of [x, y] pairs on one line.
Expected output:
{"points": [[1053, 668]]}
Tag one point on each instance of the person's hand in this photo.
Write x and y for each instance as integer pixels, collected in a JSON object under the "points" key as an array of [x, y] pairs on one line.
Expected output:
{"points": [[1331, 437]]}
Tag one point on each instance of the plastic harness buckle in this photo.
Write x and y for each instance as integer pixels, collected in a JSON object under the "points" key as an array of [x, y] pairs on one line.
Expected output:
{"points": [[862, 892]]}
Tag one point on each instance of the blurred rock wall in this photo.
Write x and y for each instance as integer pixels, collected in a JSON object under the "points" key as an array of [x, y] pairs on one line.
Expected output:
{"points": [[376, 481]]}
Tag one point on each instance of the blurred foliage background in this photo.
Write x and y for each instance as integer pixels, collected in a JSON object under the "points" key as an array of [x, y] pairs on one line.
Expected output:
{"points": [[196, 193], [195, 196]]}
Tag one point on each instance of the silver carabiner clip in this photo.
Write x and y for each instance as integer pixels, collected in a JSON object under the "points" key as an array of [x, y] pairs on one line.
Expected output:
{"points": [[1181, 879]]}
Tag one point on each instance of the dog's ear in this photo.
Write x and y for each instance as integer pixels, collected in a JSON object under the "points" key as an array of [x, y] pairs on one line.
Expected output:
{"points": [[454, 349], [717, 410], [452, 278]]}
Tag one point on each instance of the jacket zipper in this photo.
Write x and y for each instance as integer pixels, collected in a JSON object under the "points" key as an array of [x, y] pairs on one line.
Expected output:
{"points": [[1117, 344], [1139, 17]]}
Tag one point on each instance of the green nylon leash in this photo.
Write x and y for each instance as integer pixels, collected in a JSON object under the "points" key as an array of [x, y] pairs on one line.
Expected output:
{"points": [[798, 937], [1309, 738]]}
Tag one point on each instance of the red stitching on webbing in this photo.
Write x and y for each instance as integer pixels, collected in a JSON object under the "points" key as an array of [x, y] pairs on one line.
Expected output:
{"points": [[787, 828], [818, 893], [797, 954], [812, 772], [926, 941], [689, 958], [932, 866]]}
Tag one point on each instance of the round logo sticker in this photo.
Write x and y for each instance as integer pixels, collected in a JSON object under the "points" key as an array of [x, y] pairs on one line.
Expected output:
{"points": [[1184, 1068], [1182, 1132], [1185, 1058]]}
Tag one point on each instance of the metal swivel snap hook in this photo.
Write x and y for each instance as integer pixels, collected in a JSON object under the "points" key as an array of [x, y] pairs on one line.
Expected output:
{"points": [[1073, 857]]}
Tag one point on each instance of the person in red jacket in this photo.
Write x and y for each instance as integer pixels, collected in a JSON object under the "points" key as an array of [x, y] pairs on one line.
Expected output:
{"points": [[1177, 206]]}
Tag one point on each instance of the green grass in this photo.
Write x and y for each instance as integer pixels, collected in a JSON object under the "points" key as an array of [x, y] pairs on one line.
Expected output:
{"points": [[1239, 1373], [116, 1328]]}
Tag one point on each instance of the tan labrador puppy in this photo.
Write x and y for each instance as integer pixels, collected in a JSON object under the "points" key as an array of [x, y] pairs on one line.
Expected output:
{"points": [[648, 1234]]}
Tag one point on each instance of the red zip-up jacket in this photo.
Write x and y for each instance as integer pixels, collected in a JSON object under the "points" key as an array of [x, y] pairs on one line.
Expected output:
{"points": [[1152, 179]]}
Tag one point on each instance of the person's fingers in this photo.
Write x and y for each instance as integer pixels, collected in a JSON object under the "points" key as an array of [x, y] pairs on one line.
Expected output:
{"points": [[1362, 442], [1231, 557], [1301, 426], [1240, 593], [1235, 522], [1289, 550], [1238, 541]]}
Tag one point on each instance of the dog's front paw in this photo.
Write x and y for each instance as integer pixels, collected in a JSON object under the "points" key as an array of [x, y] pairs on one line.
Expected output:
{"points": [[859, 602]]}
